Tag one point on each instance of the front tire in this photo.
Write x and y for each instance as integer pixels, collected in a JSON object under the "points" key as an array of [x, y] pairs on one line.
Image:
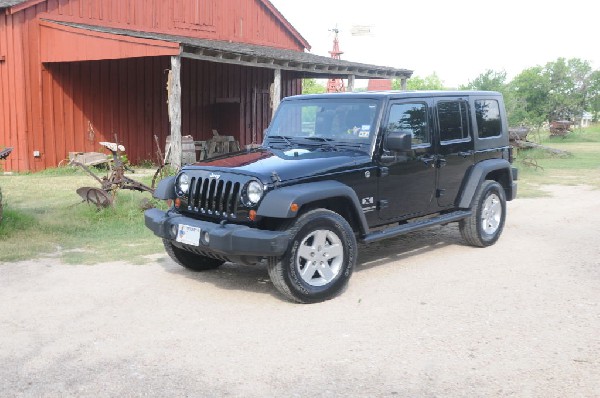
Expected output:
{"points": [[320, 259], [485, 225], [189, 260]]}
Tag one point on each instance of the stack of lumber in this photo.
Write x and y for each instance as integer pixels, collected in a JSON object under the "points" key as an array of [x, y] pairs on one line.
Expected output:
{"points": [[217, 145]]}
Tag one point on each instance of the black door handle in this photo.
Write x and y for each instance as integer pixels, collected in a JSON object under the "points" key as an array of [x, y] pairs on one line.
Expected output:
{"points": [[465, 153], [441, 162]]}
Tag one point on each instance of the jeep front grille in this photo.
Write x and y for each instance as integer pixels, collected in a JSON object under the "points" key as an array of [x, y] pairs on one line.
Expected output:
{"points": [[214, 197]]}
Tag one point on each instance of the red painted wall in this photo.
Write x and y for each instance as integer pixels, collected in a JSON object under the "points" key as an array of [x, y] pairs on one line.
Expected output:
{"points": [[246, 21], [50, 107]]}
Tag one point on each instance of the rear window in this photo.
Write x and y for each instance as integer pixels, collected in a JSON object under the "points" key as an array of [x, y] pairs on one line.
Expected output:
{"points": [[489, 123], [453, 120]]}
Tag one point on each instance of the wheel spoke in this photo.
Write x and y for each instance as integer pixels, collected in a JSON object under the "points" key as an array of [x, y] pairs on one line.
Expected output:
{"points": [[326, 272], [320, 238], [306, 252], [496, 207], [308, 271], [493, 223], [335, 250]]}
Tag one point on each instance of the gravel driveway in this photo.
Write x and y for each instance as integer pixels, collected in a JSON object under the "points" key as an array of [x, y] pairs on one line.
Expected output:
{"points": [[423, 316]]}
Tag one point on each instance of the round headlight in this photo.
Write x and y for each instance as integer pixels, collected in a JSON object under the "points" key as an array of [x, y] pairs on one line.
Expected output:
{"points": [[254, 192], [183, 183]]}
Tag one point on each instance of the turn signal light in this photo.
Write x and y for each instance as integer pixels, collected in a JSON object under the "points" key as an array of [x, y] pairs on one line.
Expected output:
{"points": [[252, 215], [294, 207], [177, 202]]}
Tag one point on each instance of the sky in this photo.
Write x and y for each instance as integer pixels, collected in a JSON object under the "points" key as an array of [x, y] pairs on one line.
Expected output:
{"points": [[458, 39]]}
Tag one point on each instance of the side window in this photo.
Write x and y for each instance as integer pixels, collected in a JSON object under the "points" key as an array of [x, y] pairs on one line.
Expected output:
{"points": [[452, 116], [410, 117], [488, 118]]}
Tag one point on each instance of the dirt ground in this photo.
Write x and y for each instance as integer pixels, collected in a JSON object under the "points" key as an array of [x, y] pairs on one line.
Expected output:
{"points": [[423, 316]]}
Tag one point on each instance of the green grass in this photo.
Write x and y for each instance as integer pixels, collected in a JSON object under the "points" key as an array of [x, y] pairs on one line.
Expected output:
{"points": [[43, 215], [582, 167]]}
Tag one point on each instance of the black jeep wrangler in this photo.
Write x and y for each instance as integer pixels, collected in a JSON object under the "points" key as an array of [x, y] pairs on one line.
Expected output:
{"points": [[337, 169]]}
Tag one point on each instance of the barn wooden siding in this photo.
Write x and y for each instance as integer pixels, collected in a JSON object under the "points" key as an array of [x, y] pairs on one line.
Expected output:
{"points": [[63, 107], [14, 124], [246, 21]]}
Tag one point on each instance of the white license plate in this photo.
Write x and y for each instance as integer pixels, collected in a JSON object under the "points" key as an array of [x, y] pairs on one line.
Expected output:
{"points": [[188, 235]]}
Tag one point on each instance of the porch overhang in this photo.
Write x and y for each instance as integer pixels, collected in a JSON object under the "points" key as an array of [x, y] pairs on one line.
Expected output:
{"points": [[62, 43], [306, 64]]}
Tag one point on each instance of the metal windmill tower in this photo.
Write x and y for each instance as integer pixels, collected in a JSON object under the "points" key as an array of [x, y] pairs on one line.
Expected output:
{"points": [[336, 85]]}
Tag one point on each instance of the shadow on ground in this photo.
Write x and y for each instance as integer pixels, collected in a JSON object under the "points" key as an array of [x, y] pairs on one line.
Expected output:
{"points": [[254, 278]]}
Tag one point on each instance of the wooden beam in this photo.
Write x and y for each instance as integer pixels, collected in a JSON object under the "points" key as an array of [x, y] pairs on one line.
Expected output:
{"points": [[351, 79], [275, 91], [315, 70], [174, 95]]}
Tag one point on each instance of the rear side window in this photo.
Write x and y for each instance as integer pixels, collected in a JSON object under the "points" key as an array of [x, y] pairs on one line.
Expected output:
{"points": [[488, 118], [410, 117], [453, 120]]}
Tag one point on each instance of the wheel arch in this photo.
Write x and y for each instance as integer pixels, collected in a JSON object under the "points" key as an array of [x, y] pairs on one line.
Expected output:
{"points": [[331, 195], [498, 170]]}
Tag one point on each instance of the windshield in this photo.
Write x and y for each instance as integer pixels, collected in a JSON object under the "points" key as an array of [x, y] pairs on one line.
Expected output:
{"points": [[349, 122]]}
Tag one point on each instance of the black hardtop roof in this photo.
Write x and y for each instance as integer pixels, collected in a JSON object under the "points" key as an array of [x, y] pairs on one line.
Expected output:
{"points": [[397, 94]]}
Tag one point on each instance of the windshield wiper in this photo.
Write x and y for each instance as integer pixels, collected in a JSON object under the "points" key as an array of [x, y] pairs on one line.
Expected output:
{"points": [[320, 141], [281, 138]]}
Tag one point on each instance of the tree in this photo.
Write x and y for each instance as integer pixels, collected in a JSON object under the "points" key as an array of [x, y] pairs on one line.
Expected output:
{"points": [[594, 95], [569, 84], [431, 82], [489, 80], [310, 86], [529, 92]]}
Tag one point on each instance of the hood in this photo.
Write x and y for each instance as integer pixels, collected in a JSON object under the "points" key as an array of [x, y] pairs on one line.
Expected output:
{"points": [[289, 164]]}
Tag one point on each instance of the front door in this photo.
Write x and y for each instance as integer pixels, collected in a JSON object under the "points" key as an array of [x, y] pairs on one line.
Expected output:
{"points": [[407, 181], [455, 154]]}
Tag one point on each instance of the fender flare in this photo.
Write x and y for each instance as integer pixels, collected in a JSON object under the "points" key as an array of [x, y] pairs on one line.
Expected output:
{"points": [[165, 189], [277, 202], [477, 175]]}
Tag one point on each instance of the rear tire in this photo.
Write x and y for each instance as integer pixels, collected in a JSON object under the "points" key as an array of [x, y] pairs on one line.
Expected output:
{"points": [[320, 259], [189, 260], [485, 225]]}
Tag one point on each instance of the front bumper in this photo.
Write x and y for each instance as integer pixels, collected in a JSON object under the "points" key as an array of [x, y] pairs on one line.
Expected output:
{"points": [[230, 240]]}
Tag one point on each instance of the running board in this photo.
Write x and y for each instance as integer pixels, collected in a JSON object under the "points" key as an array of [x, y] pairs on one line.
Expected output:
{"points": [[416, 225]]}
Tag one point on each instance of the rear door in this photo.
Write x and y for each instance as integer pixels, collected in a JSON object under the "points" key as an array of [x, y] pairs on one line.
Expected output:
{"points": [[455, 149]]}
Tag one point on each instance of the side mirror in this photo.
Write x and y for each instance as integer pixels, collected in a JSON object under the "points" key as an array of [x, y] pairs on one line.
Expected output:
{"points": [[398, 141]]}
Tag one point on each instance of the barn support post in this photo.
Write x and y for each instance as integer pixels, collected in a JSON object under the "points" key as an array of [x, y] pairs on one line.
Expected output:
{"points": [[275, 91], [174, 95], [403, 83], [351, 81]]}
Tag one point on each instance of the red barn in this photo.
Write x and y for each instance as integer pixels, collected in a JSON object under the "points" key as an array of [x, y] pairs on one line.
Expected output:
{"points": [[76, 72]]}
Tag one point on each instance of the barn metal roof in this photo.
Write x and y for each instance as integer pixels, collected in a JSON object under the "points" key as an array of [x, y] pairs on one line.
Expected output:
{"points": [[310, 65]]}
